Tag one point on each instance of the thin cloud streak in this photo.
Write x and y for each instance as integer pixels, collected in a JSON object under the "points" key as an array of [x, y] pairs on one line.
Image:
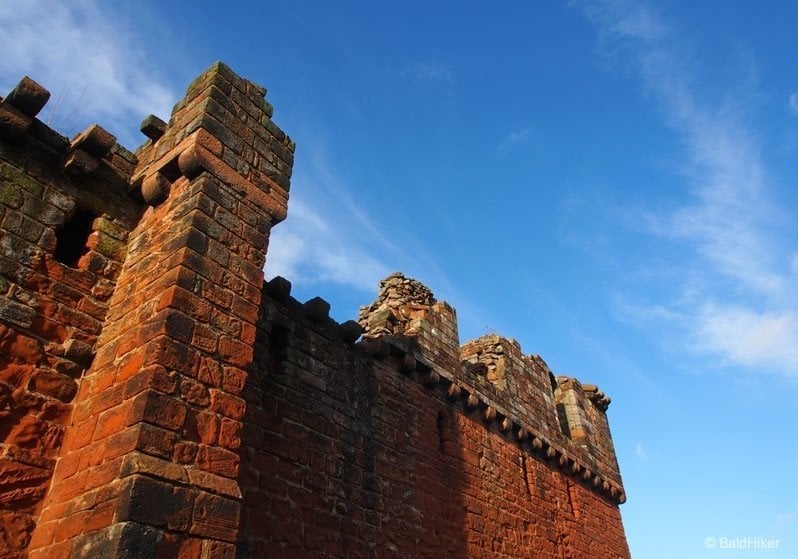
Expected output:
{"points": [[744, 314], [430, 72], [310, 249], [327, 238], [751, 338], [515, 138], [89, 61]]}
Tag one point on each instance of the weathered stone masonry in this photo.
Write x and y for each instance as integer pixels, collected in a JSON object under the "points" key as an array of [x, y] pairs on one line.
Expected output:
{"points": [[158, 399]]}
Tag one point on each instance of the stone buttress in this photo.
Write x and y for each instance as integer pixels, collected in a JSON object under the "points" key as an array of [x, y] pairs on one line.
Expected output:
{"points": [[149, 457]]}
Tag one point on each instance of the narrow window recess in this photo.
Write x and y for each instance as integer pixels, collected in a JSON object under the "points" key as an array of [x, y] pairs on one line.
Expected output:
{"points": [[71, 238], [278, 348], [442, 425], [573, 499]]}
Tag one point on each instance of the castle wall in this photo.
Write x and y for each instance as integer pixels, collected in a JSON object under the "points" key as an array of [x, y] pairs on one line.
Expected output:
{"points": [[55, 284], [157, 399], [354, 450]]}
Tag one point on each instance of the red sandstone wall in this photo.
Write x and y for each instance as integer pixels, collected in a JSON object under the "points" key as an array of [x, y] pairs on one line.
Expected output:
{"points": [[346, 456], [519, 384]]}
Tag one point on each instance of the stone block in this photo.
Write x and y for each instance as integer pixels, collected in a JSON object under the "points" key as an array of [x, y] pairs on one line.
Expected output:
{"points": [[14, 313], [28, 96], [153, 127], [95, 140]]}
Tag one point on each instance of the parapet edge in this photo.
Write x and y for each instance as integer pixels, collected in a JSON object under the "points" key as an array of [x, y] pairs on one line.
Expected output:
{"points": [[394, 329]]}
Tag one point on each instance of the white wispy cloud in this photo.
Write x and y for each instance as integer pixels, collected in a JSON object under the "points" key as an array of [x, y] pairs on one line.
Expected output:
{"points": [[311, 248], [430, 72], [622, 20], [640, 452], [739, 299], [750, 337], [514, 138], [90, 61], [327, 237]]}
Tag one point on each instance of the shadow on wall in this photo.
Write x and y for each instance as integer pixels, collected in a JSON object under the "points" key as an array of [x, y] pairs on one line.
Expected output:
{"points": [[376, 450], [341, 455]]}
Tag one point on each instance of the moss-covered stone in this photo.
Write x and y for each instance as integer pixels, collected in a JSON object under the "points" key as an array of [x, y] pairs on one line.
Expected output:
{"points": [[108, 246], [21, 179], [42, 212], [60, 200], [107, 226], [10, 195]]}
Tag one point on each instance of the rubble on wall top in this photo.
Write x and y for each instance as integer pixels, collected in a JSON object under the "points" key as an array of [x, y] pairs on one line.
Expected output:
{"points": [[387, 314], [398, 289]]}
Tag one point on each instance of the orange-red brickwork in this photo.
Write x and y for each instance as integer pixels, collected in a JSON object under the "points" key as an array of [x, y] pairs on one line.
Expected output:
{"points": [[158, 399]]}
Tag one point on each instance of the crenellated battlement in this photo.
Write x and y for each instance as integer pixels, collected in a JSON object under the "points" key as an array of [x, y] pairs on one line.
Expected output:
{"points": [[406, 308], [158, 398], [223, 126], [92, 154], [564, 421]]}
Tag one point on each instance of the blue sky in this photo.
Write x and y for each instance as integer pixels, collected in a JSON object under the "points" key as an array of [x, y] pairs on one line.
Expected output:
{"points": [[612, 183]]}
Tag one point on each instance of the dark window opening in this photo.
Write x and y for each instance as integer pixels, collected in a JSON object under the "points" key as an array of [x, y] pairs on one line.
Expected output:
{"points": [[172, 171], [278, 348], [447, 434], [70, 240], [563, 418]]}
